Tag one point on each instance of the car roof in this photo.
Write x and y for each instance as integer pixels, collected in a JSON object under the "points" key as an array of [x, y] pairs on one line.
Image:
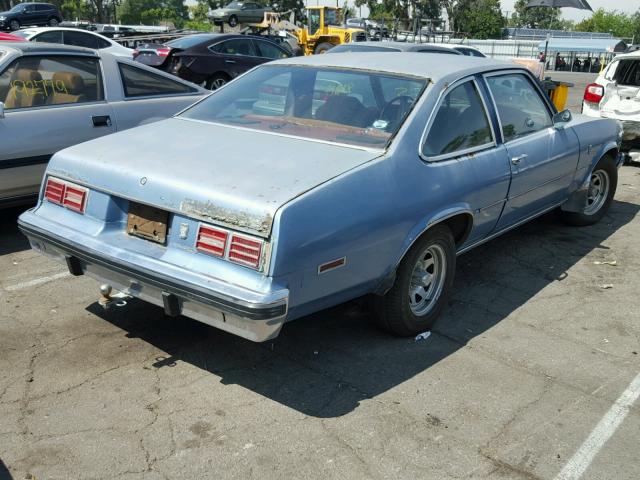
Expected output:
{"points": [[44, 29], [427, 65], [42, 47]]}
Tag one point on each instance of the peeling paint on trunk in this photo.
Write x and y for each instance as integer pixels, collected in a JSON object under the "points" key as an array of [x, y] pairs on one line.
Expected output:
{"points": [[239, 220]]}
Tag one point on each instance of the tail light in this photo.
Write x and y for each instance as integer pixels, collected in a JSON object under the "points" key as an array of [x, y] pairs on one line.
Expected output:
{"points": [[135, 53], [163, 51], [67, 194], [241, 249], [593, 93], [212, 240], [245, 251]]}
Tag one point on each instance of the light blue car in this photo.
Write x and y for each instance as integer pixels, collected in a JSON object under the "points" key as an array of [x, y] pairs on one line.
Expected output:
{"points": [[278, 196]]}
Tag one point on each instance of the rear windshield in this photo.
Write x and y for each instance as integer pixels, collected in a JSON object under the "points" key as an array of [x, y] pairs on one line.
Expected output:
{"points": [[188, 42], [347, 106], [628, 73], [363, 48]]}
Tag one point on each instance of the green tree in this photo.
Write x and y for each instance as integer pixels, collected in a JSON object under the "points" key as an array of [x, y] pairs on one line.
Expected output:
{"points": [[401, 9], [535, 17], [480, 18], [152, 12], [619, 23]]}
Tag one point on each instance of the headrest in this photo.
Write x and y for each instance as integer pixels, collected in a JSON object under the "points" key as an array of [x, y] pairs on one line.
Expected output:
{"points": [[27, 75], [72, 82]]}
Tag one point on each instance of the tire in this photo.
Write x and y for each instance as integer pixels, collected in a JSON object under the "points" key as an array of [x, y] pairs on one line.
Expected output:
{"points": [[14, 25], [323, 47], [53, 22], [395, 311], [604, 180], [233, 21], [216, 81]]}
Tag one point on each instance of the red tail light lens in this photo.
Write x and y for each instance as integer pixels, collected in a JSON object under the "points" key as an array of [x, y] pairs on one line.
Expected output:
{"points": [[246, 251], [211, 240], [135, 53], [70, 195], [163, 52], [75, 197], [593, 93], [54, 191]]}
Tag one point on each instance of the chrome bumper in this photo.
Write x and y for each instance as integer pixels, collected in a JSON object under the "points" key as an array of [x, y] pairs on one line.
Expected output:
{"points": [[254, 320]]}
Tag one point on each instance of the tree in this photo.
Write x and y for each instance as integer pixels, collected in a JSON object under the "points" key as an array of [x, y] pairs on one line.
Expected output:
{"points": [[402, 9], [534, 17], [480, 19], [152, 12], [619, 24]]}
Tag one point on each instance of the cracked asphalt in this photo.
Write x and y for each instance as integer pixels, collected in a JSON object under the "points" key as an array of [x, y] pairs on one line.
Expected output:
{"points": [[529, 356]]}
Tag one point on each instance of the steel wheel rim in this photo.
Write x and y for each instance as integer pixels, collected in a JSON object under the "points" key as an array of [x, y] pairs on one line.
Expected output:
{"points": [[598, 191], [427, 280], [217, 83]]}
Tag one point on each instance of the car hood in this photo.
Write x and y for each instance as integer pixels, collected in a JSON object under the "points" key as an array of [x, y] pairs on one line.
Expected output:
{"points": [[220, 174], [4, 14]]}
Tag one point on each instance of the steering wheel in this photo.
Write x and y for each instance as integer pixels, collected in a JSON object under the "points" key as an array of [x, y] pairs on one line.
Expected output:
{"points": [[403, 101]]}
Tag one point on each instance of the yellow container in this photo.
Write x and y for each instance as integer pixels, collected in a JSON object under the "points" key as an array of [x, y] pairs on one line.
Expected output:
{"points": [[559, 95]]}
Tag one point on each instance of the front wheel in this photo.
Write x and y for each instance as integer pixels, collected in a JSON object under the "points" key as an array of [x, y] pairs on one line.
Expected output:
{"points": [[14, 25], [53, 22], [422, 285], [233, 21], [602, 188]]}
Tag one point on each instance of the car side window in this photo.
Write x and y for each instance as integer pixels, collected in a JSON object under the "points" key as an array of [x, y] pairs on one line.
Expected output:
{"points": [[235, 46], [102, 43], [521, 109], [610, 72], [141, 83], [461, 123], [46, 81], [54, 36], [268, 50], [80, 39], [42, 8]]}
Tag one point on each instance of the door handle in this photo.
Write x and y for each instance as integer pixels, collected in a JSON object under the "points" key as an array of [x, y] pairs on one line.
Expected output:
{"points": [[231, 62], [516, 160], [101, 121]]}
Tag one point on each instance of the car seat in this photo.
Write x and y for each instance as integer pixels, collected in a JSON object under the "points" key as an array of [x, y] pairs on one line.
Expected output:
{"points": [[25, 90], [345, 110], [72, 90]]}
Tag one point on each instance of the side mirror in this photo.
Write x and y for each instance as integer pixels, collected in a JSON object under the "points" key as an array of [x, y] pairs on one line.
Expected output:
{"points": [[1, 109], [562, 118]]}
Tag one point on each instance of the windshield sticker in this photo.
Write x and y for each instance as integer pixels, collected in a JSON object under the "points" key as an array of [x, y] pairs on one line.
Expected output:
{"points": [[38, 87]]}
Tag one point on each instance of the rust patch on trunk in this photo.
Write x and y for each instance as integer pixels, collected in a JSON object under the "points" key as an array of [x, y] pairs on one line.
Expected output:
{"points": [[209, 212]]}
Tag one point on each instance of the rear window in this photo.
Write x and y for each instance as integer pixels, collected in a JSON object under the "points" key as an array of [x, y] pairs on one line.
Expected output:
{"points": [[142, 83], [188, 42], [628, 73], [346, 106]]}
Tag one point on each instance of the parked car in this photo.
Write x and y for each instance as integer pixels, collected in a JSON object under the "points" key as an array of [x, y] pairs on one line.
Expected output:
{"points": [[54, 96], [75, 37], [254, 219], [615, 94], [7, 37], [239, 12], [24, 14], [374, 46], [211, 59], [463, 49]]}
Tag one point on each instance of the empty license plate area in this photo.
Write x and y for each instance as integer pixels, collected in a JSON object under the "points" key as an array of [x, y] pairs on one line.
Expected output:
{"points": [[147, 222]]}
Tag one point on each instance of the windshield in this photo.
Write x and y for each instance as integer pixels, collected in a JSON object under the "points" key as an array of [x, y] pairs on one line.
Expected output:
{"points": [[346, 106], [235, 5], [188, 42], [17, 8]]}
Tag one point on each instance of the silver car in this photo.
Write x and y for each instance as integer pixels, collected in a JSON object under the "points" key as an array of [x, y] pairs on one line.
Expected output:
{"points": [[54, 96]]}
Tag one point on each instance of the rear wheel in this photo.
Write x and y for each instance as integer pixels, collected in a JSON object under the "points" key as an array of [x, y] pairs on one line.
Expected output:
{"points": [[323, 47], [602, 188], [422, 285], [216, 81], [53, 22], [14, 24], [233, 21]]}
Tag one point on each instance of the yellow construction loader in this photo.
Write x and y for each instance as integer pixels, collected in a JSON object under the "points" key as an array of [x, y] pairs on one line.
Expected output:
{"points": [[324, 30]]}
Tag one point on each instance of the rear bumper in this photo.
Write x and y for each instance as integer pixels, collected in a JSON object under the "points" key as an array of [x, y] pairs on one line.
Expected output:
{"points": [[256, 316]]}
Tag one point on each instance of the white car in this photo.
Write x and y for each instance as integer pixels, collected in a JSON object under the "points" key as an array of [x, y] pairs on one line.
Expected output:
{"points": [[75, 37], [616, 94]]}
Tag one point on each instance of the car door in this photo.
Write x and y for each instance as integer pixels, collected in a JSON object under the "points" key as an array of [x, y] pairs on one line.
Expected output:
{"points": [[543, 159], [268, 51], [461, 150], [237, 55], [51, 102], [147, 96], [42, 13], [29, 16]]}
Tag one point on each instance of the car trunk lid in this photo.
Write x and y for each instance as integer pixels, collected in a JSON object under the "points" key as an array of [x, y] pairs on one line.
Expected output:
{"points": [[219, 174]]}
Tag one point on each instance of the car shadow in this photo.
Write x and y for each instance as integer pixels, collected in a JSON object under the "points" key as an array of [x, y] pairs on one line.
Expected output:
{"points": [[12, 240], [4, 472], [325, 364]]}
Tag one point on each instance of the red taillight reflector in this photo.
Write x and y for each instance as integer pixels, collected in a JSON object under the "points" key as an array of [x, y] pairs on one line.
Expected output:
{"points": [[135, 53], [54, 191], [74, 198], [593, 93], [163, 52], [245, 251], [211, 240]]}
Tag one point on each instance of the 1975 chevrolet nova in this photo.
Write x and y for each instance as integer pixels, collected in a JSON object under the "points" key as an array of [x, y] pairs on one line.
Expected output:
{"points": [[311, 181]]}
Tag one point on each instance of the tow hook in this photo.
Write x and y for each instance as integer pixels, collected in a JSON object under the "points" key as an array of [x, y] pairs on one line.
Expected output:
{"points": [[108, 300]]}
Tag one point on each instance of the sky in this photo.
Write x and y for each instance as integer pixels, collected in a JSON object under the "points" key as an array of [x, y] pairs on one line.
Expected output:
{"points": [[629, 6]]}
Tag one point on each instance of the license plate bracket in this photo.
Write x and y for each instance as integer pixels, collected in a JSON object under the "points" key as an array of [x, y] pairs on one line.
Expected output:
{"points": [[147, 222]]}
